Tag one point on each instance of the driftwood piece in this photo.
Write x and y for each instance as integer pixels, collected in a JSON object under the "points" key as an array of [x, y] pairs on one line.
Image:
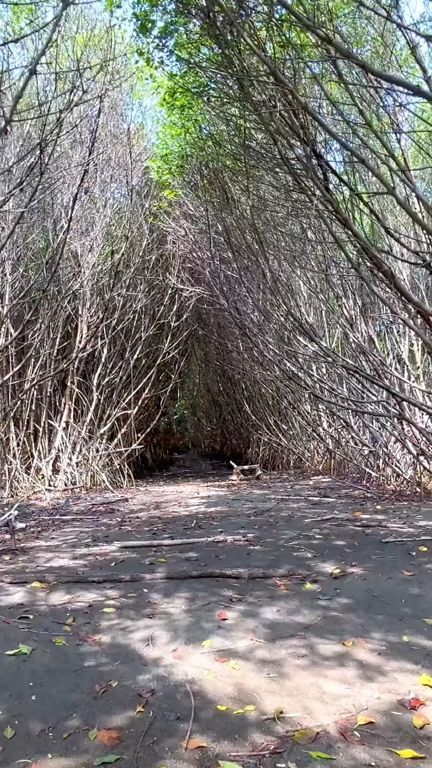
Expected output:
{"points": [[394, 540], [118, 578], [246, 471], [181, 542]]}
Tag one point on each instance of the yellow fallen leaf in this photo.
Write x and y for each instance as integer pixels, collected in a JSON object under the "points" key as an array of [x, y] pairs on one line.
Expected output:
{"points": [[337, 572], [9, 732], [365, 720], [305, 735], [425, 680], [423, 549], [161, 560], [238, 711], [140, 708], [250, 708], [109, 609], [222, 707], [195, 744], [348, 643], [70, 620], [39, 585], [234, 665], [406, 638], [206, 643], [59, 641], [419, 721], [427, 621], [310, 586], [408, 754], [277, 712]]}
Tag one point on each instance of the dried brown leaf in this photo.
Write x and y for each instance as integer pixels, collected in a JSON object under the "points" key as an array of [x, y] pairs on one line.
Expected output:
{"points": [[109, 736]]}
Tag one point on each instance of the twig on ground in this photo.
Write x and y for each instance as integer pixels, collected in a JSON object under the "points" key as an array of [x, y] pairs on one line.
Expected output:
{"points": [[140, 740], [323, 518], [99, 503], [192, 716], [394, 540], [19, 625], [117, 578], [276, 750], [180, 542]]}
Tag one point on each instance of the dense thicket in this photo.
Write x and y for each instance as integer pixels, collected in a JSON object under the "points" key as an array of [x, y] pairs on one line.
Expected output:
{"points": [[254, 276], [94, 299], [310, 152]]}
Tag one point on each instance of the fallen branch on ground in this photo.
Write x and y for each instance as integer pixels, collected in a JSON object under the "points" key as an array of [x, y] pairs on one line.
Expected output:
{"points": [[394, 540], [180, 542], [99, 502], [118, 578]]}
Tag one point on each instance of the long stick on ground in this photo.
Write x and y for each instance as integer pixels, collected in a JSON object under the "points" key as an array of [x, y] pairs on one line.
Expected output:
{"points": [[189, 730], [120, 578], [394, 540], [180, 542]]}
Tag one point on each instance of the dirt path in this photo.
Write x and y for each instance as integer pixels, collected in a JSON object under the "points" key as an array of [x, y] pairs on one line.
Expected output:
{"points": [[278, 645]]}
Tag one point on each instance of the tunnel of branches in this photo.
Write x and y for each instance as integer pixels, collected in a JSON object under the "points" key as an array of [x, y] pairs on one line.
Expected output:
{"points": [[254, 283]]}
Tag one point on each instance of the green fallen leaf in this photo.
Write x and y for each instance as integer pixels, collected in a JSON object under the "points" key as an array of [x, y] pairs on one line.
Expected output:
{"points": [[107, 759], [108, 610], [206, 643], [321, 756], [9, 732], [59, 641], [22, 650], [92, 734], [227, 764], [427, 621], [310, 586]]}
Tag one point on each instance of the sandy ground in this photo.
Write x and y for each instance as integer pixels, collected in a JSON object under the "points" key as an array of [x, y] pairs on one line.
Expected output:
{"points": [[280, 647]]}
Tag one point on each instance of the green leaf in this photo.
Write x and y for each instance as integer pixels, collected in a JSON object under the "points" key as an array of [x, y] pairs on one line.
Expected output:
{"points": [[22, 650], [321, 756], [227, 764], [92, 734], [9, 732], [59, 641], [107, 759]]}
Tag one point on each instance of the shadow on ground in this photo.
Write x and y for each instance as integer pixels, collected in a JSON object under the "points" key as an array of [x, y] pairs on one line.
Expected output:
{"points": [[281, 648]]}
